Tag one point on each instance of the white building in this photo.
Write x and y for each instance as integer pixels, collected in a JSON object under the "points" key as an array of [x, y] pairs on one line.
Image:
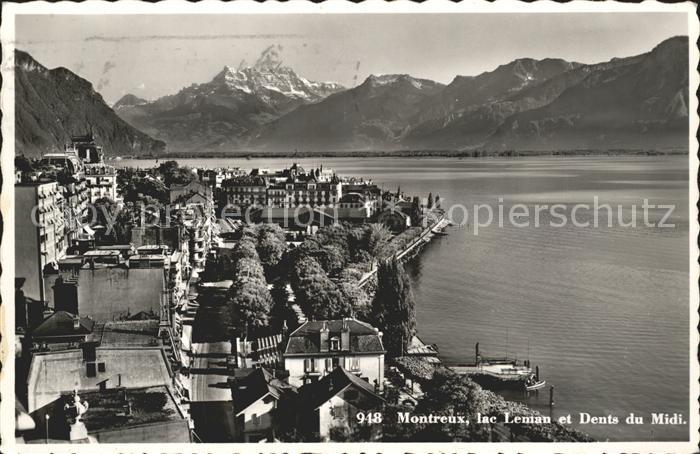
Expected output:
{"points": [[39, 233], [317, 347], [101, 182]]}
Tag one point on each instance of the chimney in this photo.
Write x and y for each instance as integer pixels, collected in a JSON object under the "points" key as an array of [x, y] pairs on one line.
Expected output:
{"points": [[76, 323], [324, 337], [345, 336]]}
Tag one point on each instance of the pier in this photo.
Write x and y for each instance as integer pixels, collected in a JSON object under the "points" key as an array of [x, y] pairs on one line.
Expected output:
{"points": [[496, 372]]}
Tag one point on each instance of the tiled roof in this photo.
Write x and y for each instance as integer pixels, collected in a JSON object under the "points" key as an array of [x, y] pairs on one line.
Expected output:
{"points": [[352, 197], [255, 386], [61, 323], [313, 395], [306, 339]]}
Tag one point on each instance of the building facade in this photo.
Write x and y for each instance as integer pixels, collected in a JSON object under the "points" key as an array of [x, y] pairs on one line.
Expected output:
{"points": [[316, 348], [101, 182], [40, 238]]}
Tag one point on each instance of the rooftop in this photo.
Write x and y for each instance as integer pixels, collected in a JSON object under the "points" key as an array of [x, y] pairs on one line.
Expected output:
{"points": [[63, 323], [127, 333], [307, 340], [338, 382], [123, 407], [58, 372], [256, 385], [101, 253]]}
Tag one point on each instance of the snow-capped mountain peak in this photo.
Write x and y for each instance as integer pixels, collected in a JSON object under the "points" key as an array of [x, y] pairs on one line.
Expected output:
{"points": [[267, 81]]}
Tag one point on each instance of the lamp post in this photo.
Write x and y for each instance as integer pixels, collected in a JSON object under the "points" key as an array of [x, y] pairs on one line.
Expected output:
{"points": [[47, 428]]}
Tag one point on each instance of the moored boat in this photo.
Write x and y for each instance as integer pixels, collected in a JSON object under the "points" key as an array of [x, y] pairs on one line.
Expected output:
{"points": [[533, 384]]}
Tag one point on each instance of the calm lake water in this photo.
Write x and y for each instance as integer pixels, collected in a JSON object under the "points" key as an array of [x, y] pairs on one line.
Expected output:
{"points": [[603, 311]]}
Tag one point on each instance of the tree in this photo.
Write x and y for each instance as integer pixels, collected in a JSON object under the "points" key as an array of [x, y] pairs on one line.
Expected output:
{"points": [[245, 249], [318, 296], [356, 297], [393, 308], [416, 213], [393, 429], [136, 188], [173, 174], [377, 236], [430, 200], [249, 297], [24, 164], [271, 245], [448, 393], [251, 302]]}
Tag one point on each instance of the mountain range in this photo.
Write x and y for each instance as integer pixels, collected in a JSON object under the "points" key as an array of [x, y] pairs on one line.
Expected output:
{"points": [[221, 114], [527, 104]]}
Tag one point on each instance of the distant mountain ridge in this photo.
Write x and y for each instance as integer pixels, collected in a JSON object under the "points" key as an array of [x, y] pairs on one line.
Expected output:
{"points": [[223, 112], [542, 105], [637, 102], [371, 115], [53, 104]]}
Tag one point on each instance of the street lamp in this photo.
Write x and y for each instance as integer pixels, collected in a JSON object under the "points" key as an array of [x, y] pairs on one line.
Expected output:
{"points": [[47, 428]]}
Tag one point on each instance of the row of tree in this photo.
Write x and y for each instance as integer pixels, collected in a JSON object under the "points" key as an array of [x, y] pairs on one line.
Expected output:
{"points": [[318, 296], [249, 296]]}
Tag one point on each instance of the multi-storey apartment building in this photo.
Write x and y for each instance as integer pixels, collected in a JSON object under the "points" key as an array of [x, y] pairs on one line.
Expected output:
{"points": [[306, 190], [39, 233], [243, 192], [101, 182], [77, 197]]}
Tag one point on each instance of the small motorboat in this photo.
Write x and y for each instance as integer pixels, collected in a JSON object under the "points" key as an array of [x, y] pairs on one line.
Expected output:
{"points": [[535, 385]]}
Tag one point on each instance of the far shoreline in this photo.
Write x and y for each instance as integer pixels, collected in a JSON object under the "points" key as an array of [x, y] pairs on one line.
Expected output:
{"points": [[407, 154]]}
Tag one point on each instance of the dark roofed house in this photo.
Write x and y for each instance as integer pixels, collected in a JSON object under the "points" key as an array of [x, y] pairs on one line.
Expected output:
{"points": [[62, 327], [255, 397], [318, 347], [328, 408]]}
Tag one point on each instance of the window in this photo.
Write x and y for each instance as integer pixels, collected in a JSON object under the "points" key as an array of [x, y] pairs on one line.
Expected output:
{"points": [[308, 365], [256, 419], [335, 344], [335, 362], [91, 371], [355, 364], [101, 367], [338, 412], [89, 353], [329, 364]]}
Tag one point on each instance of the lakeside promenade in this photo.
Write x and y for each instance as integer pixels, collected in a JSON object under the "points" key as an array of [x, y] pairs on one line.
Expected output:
{"points": [[421, 239]]}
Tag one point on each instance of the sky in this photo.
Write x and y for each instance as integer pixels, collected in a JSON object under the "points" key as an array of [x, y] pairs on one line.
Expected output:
{"points": [[156, 55]]}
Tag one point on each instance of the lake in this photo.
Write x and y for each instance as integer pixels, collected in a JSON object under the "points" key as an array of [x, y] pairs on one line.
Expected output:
{"points": [[603, 311]]}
